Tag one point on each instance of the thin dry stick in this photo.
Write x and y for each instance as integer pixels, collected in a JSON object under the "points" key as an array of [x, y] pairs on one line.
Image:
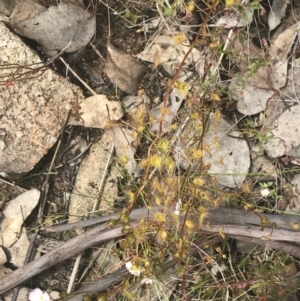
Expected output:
{"points": [[12, 184], [74, 272], [77, 76], [106, 282], [95, 257], [46, 182], [102, 182], [163, 18], [98, 52]]}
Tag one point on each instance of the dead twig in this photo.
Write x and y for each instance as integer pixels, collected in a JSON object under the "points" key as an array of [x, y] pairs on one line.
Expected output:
{"points": [[77, 76], [105, 282], [253, 231], [70, 248], [221, 215], [218, 224], [286, 247]]}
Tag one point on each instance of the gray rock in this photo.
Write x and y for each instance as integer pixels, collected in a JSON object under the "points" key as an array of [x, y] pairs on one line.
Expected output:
{"points": [[34, 104]]}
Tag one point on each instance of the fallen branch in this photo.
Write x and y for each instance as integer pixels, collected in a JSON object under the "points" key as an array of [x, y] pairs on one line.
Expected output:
{"points": [[104, 283], [219, 215], [227, 221], [71, 248], [135, 214], [286, 247], [255, 232]]}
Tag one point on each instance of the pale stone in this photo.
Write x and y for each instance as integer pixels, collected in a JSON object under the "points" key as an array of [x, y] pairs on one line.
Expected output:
{"points": [[15, 213], [3, 258], [88, 179]]}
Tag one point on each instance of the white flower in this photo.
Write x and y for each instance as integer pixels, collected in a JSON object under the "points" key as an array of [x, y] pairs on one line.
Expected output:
{"points": [[38, 295], [147, 281], [218, 268], [265, 192], [133, 269]]}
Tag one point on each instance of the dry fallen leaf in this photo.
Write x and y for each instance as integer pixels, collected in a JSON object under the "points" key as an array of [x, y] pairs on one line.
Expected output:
{"points": [[15, 213], [234, 19], [6, 8], [65, 27], [161, 117], [124, 140], [281, 45], [293, 196], [286, 133], [292, 89], [227, 158], [14, 238], [168, 53], [279, 74], [98, 112], [123, 70], [251, 99], [277, 13], [253, 94]]}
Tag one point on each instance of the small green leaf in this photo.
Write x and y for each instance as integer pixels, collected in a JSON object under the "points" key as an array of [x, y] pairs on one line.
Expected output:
{"points": [[257, 285], [242, 38]]}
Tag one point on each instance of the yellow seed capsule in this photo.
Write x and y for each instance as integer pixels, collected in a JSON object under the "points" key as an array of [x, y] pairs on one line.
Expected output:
{"points": [[179, 38], [102, 297], [248, 206], [295, 226], [213, 45], [231, 2], [215, 97], [190, 6]]}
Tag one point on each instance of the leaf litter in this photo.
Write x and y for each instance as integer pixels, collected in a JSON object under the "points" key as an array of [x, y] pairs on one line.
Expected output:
{"points": [[123, 70]]}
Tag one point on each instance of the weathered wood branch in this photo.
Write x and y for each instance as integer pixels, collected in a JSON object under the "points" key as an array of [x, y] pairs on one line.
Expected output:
{"points": [[229, 221], [255, 232], [104, 283], [135, 214], [287, 247], [216, 216], [71, 248]]}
